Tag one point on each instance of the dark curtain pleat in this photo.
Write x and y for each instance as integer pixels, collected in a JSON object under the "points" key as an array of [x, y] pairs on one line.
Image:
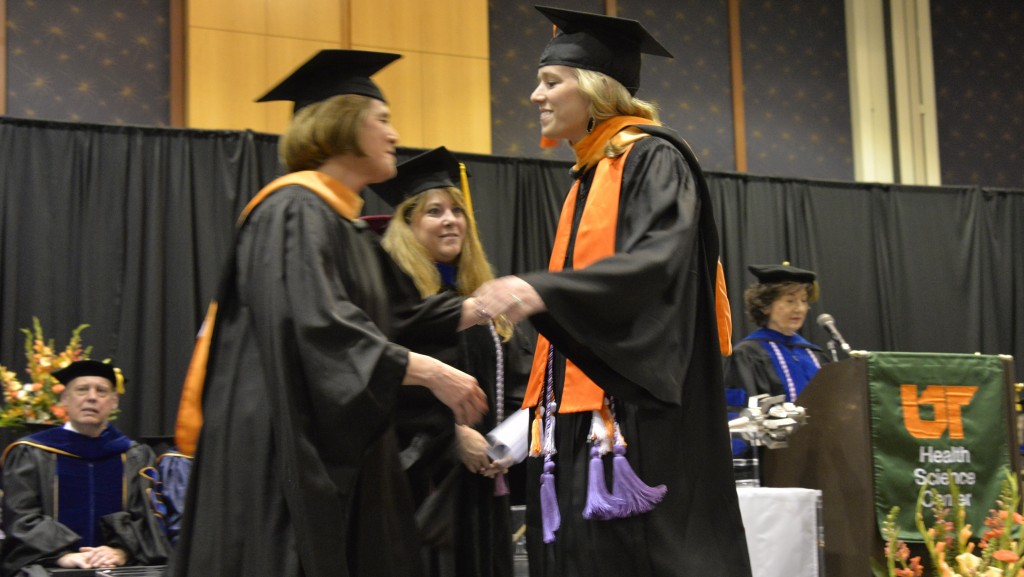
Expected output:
{"points": [[541, 188], [905, 268], [126, 228], [185, 193], [122, 228]]}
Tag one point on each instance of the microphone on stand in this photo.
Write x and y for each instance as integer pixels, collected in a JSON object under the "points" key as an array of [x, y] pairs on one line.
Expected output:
{"points": [[832, 352], [828, 323]]}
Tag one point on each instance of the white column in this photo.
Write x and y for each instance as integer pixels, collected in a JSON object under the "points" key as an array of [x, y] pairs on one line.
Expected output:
{"points": [[914, 83], [869, 91]]}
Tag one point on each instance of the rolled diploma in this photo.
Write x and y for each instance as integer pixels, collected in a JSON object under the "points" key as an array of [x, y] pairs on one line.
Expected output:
{"points": [[511, 437]]}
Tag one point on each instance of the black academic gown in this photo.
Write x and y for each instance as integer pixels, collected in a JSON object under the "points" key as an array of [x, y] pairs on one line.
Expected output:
{"points": [[296, 472], [466, 528], [750, 368], [34, 537], [641, 324], [483, 529]]}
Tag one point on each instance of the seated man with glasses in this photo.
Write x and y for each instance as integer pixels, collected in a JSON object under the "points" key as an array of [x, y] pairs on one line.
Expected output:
{"points": [[77, 496]]}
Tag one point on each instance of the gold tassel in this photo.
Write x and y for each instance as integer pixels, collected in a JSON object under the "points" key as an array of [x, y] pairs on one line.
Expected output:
{"points": [[464, 183], [535, 434], [119, 378]]}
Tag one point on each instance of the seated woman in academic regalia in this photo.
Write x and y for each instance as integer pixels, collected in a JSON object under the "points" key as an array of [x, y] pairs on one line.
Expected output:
{"points": [[775, 359], [76, 496]]}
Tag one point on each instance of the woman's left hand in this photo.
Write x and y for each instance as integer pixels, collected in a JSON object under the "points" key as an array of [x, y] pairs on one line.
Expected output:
{"points": [[498, 467], [472, 447], [510, 296]]}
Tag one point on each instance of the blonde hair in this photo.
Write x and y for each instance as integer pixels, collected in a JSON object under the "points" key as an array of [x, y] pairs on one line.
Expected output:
{"points": [[412, 257], [322, 130], [608, 99]]}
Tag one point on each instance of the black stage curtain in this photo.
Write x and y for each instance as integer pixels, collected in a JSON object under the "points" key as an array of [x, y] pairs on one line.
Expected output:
{"points": [[901, 268], [125, 228]]}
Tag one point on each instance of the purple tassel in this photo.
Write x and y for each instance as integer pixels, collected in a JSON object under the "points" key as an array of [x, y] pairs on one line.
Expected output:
{"points": [[500, 486], [637, 497], [550, 516], [601, 504]]}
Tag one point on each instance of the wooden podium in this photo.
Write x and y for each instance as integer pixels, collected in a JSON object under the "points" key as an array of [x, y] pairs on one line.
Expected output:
{"points": [[834, 453]]}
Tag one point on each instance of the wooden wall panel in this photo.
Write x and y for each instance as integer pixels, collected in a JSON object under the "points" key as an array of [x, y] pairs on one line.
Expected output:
{"points": [[3, 56], [446, 99], [227, 71], [310, 19], [455, 27], [283, 56], [459, 105], [402, 85], [439, 91], [401, 30], [235, 15]]}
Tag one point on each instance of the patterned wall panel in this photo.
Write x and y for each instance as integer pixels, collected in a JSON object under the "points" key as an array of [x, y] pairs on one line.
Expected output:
{"points": [[103, 61], [692, 89], [797, 93], [978, 50], [517, 36]]}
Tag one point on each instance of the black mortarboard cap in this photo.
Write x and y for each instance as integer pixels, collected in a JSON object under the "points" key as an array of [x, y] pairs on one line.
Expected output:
{"points": [[330, 73], [600, 43], [435, 168], [85, 369], [772, 273]]}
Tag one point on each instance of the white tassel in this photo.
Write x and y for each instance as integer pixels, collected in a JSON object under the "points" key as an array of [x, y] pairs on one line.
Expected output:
{"points": [[599, 433]]}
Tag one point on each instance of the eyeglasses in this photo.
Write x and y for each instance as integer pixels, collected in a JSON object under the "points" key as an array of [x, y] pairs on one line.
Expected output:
{"points": [[101, 391]]}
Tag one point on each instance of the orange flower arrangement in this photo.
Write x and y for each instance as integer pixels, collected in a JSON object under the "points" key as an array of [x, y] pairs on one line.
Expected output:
{"points": [[36, 400], [951, 544]]}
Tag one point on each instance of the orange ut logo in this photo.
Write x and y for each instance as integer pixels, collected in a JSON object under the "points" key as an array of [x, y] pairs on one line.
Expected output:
{"points": [[947, 403]]}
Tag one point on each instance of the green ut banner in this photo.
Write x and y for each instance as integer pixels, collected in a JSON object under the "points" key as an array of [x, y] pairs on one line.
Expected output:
{"points": [[937, 419]]}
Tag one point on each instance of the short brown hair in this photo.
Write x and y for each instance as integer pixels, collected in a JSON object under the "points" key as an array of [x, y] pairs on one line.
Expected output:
{"points": [[759, 297], [322, 130]]}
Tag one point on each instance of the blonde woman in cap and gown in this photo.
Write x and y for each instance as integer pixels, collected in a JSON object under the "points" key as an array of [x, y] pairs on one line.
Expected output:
{"points": [[630, 470], [432, 248]]}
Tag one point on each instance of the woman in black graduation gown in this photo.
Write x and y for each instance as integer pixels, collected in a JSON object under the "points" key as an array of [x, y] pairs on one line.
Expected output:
{"points": [[296, 471], [775, 359], [628, 363], [432, 248]]}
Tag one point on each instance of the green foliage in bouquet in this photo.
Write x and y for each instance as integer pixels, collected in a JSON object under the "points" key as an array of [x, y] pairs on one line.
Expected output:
{"points": [[952, 546], [36, 400]]}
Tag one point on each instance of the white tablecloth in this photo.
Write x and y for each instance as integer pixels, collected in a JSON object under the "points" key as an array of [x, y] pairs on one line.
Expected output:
{"points": [[782, 530]]}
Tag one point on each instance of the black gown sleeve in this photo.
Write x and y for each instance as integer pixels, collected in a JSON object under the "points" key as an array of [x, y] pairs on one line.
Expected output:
{"points": [[136, 530], [750, 368], [307, 283], [628, 320], [414, 318], [428, 326], [33, 536]]}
